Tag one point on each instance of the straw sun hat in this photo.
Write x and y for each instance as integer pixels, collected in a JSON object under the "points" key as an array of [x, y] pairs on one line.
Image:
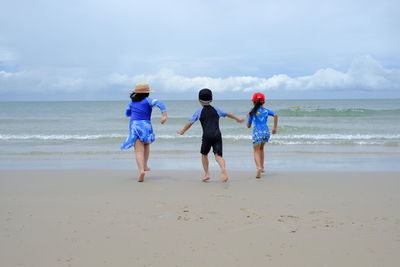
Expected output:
{"points": [[142, 88]]}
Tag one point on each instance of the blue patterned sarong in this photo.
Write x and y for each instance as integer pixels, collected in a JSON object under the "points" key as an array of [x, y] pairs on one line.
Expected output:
{"points": [[260, 136], [141, 129]]}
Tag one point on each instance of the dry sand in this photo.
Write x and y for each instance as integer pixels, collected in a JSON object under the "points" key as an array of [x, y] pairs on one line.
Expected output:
{"points": [[105, 218]]}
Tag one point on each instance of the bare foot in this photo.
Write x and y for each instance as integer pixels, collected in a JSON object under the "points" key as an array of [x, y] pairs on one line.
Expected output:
{"points": [[258, 174], [224, 176], [262, 170], [141, 177], [146, 169], [206, 178]]}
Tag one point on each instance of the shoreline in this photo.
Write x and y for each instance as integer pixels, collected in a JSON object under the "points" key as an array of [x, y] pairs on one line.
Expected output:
{"points": [[106, 218], [214, 168], [243, 161]]}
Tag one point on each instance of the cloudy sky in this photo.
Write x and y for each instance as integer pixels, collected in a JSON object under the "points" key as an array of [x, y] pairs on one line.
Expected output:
{"points": [[96, 49]]}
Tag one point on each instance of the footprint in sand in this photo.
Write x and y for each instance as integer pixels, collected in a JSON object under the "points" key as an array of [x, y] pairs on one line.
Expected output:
{"points": [[251, 214], [221, 197], [316, 212], [329, 223], [65, 260], [291, 220], [285, 218], [326, 223], [186, 215]]}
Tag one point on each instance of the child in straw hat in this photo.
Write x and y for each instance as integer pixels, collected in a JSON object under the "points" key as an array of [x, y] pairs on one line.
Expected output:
{"points": [[209, 118], [141, 133]]}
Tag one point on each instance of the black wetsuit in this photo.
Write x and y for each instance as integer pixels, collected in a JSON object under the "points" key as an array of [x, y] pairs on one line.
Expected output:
{"points": [[209, 119]]}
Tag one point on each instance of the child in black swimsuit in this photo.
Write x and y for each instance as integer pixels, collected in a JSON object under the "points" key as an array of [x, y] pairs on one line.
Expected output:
{"points": [[209, 118]]}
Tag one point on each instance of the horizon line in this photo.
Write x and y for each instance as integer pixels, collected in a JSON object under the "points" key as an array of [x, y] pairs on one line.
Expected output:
{"points": [[191, 99]]}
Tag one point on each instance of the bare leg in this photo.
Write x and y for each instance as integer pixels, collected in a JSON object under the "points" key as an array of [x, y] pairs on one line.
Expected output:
{"points": [[255, 151], [139, 153], [204, 161], [221, 163], [146, 156], [262, 156], [257, 159]]}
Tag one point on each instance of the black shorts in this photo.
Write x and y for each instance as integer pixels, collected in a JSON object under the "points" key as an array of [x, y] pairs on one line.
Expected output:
{"points": [[215, 143]]}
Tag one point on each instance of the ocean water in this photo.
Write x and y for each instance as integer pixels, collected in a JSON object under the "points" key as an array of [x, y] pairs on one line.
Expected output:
{"points": [[312, 135]]}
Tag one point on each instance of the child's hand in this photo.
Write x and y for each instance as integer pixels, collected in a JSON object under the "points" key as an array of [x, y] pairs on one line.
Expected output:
{"points": [[240, 120], [163, 119], [274, 131], [181, 132]]}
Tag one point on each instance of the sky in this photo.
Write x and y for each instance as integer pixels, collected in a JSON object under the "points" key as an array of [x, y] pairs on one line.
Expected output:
{"points": [[99, 50]]}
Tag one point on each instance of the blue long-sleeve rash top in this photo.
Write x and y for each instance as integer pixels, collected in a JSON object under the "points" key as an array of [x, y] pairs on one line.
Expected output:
{"points": [[141, 110], [260, 119]]}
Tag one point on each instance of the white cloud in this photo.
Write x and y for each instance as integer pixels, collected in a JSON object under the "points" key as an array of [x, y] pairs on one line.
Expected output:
{"points": [[364, 74], [43, 82]]}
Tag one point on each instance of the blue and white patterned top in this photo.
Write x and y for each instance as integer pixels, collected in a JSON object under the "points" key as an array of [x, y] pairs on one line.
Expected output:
{"points": [[260, 120]]}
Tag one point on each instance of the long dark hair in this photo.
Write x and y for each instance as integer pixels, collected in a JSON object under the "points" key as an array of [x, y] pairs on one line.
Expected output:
{"points": [[258, 104], [138, 97]]}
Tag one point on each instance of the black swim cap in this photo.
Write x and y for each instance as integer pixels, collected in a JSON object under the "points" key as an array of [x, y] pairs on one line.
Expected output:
{"points": [[205, 94]]}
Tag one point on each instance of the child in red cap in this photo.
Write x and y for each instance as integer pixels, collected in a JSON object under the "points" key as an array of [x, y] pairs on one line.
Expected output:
{"points": [[259, 114]]}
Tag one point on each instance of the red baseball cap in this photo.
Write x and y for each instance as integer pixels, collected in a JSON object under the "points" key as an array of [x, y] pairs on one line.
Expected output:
{"points": [[257, 96]]}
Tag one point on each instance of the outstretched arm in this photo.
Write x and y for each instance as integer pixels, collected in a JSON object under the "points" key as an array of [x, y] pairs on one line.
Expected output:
{"points": [[187, 126], [249, 120], [275, 129], [164, 117], [161, 106], [230, 115], [128, 111], [192, 120]]}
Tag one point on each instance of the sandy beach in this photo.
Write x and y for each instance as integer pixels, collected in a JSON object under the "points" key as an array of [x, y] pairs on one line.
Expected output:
{"points": [[105, 218]]}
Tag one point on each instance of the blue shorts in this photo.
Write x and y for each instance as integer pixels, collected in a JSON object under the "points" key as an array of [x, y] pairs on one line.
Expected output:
{"points": [[141, 129], [260, 137]]}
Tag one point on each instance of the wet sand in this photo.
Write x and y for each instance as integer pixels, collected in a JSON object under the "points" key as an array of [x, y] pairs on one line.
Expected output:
{"points": [[105, 218]]}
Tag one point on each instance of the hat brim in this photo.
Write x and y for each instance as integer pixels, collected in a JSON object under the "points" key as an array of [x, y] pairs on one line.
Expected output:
{"points": [[142, 92]]}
